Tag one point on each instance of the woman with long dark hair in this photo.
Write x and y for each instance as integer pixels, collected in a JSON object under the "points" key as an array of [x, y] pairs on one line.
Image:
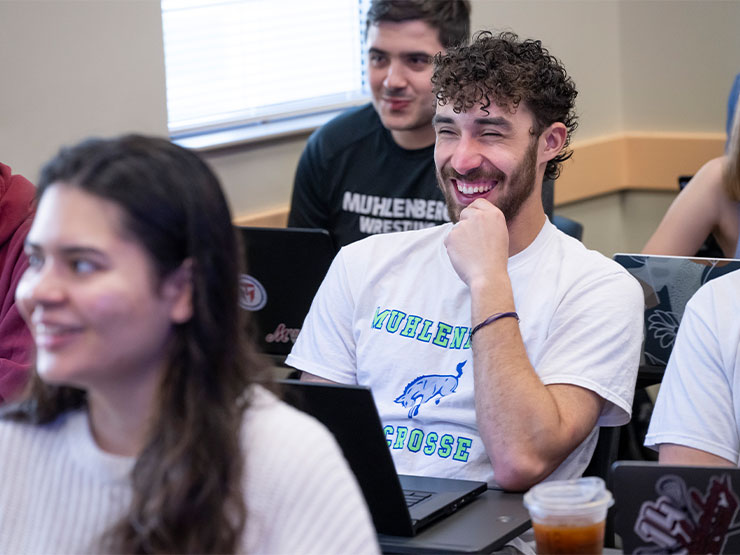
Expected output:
{"points": [[144, 428]]}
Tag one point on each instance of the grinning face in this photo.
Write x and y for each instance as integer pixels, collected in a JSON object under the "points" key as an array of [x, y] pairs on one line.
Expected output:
{"points": [[488, 154], [400, 72], [98, 313]]}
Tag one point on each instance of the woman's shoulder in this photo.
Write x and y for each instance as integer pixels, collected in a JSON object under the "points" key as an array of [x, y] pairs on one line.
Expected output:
{"points": [[715, 165], [710, 180], [285, 449], [22, 441], [14, 428], [279, 441], [298, 486], [279, 426], [709, 177], [12, 431]]}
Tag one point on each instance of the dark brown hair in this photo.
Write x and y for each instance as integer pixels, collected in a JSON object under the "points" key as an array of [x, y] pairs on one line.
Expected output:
{"points": [[504, 70], [451, 18], [187, 481]]}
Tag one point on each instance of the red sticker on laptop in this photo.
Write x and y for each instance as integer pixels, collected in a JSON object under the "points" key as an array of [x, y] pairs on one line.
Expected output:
{"points": [[252, 295]]}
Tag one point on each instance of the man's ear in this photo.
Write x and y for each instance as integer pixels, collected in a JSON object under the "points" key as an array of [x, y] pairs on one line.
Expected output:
{"points": [[178, 288], [552, 140]]}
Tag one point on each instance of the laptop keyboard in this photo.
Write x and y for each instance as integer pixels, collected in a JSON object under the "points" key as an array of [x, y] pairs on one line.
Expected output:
{"points": [[413, 497]]}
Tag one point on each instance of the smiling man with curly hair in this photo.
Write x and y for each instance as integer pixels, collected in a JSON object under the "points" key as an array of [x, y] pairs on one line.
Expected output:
{"points": [[525, 341], [502, 73]]}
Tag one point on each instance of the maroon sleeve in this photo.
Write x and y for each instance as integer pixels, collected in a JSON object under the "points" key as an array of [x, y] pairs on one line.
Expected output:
{"points": [[16, 343]]}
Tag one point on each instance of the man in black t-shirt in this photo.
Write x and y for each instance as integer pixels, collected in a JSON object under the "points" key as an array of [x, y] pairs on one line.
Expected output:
{"points": [[371, 169]]}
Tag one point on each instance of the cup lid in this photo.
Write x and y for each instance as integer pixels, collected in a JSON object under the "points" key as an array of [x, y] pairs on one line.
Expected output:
{"points": [[569, 496]]}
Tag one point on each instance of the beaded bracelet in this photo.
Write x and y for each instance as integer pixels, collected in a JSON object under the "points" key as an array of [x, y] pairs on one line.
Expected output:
{"points": [[493, 318]]}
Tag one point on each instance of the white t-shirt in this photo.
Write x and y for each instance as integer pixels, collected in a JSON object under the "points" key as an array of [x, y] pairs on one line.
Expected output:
{"points": [[392, 314], [60, 492], [697, 405]]}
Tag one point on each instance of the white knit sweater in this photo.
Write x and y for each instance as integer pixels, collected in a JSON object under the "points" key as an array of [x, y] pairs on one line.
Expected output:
{"points": [[59, 492]]}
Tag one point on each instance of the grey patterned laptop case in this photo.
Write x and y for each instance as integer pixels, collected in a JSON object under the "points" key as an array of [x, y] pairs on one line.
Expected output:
{"points": [[668, 283]]}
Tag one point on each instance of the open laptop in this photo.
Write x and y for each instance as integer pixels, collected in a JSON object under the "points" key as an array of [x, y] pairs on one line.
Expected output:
{"points": [[400, 505], [668, 283], [285, 267], [676, 509]]}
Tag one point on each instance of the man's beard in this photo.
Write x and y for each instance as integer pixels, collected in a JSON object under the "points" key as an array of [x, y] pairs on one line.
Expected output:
{"points": [[518, 187]]}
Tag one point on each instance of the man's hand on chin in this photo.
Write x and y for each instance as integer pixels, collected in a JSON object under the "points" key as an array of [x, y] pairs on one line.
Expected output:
{"points": [[478, 244]]}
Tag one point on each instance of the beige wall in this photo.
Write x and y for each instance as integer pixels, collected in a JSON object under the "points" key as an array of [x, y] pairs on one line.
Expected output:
{"points": [[75, 68], [570, 29], [680, 58], [70, 69]]}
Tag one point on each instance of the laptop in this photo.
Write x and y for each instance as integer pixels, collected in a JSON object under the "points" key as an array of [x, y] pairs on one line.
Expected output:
{"points": [[285, 267], [676, 509], [668, 283], [400, 505]]}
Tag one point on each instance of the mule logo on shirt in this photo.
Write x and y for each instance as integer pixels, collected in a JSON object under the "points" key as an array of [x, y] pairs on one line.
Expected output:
{"points": [[425, 388]]}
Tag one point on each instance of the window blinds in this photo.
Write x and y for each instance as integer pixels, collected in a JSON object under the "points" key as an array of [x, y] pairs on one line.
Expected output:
{"points": [[238, 62]]}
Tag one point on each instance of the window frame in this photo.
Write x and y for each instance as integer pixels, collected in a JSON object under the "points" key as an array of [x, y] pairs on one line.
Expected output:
{"points": [[221, 135]]}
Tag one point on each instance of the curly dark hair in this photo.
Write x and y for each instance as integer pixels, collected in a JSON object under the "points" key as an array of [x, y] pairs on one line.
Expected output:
{"points": [[508, 72], [451, 18]]}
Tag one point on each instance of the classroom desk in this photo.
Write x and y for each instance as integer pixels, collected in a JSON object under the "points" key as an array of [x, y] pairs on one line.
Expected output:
{"points": [[483, 526]]}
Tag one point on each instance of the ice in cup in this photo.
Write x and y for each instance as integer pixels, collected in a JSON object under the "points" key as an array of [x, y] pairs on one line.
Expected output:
{"points": [[568, 516]]}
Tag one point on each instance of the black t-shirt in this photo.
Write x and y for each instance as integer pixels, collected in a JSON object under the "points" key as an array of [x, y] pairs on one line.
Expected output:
{"points": [[354, 180]]}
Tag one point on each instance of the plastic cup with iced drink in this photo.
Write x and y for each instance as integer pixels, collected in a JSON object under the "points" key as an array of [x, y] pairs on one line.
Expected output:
{"points": [[568, 516]]}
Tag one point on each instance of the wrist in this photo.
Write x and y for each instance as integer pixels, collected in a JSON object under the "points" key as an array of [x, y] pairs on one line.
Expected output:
{"points": [[491, 286], [491, 319]]}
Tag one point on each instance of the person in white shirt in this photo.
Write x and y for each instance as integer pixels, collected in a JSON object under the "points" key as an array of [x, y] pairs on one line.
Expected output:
{"points": [[144, 428], [495, 346], [696, 414]]}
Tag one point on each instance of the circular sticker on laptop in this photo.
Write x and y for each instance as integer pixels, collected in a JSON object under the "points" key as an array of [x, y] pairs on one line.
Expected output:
{"points": [[252, 296]]}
